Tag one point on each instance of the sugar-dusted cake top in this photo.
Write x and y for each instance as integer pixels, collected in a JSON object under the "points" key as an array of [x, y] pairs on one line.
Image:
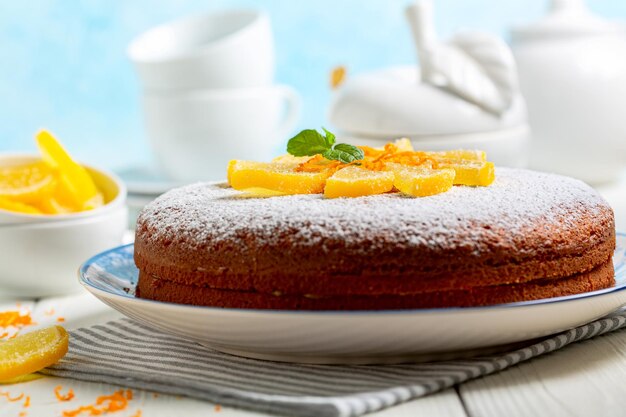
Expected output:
{"points": [[519, 210]]}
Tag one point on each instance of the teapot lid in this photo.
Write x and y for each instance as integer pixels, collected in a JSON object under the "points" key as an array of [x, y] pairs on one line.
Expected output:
{"points": [[392, 102], [566, 18]]}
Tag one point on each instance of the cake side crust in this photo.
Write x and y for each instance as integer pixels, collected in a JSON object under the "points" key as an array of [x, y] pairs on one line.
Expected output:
{"points": [[599, 278]]}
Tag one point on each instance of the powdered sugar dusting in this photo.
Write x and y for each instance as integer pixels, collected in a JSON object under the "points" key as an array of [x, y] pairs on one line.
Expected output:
{"points": [[518, 201]]}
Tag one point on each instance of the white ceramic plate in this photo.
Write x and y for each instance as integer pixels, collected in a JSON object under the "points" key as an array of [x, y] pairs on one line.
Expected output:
{"points": [[350, 336]]}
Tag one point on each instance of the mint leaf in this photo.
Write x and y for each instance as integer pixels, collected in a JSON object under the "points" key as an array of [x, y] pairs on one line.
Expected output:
{"points": [[344, 153], [330, 137], [309, 142]]}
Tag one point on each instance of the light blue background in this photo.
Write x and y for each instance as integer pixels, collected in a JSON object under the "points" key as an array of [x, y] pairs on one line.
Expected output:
{"points": [[63, 64]]}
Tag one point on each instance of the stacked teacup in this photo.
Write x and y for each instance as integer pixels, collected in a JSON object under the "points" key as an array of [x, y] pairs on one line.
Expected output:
{"points": [[209, 94]]}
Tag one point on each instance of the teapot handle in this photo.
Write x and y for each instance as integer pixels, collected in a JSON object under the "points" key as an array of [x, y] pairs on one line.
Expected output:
{"points": [[420, 17]]}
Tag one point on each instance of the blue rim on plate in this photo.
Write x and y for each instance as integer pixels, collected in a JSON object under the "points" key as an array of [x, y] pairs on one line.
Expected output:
{"points": [[114, 272]]}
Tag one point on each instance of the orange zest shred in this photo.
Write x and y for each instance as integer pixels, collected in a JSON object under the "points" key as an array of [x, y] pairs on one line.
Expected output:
{"points": [[218, 408], [26, 402], [10, 399], [61, 397], [105, 404], [60, 319], [375, 160], [138, 413], [318, 164], [90, 409], [15, 319]]}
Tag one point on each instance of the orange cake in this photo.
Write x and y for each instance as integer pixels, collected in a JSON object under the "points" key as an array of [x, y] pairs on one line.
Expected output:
{"points": [[529, 235]]}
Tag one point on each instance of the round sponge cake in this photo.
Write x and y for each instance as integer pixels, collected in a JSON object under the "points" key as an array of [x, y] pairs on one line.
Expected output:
{"points": [[529, 235]]}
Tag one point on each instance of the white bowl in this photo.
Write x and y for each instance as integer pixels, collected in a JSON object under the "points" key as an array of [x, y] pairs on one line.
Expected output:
{"points": [[41, 259], [39, 254], [505, 147], [110, 184]]}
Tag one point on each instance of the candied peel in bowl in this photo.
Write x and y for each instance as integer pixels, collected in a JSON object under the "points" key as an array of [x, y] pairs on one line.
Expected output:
{"points": [[54, 185], [26, 183], [76, 187]]}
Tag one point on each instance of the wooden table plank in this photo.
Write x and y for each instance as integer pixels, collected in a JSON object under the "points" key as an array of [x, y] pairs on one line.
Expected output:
{"points": [[73, 311], [585, 379], [442, 404]]}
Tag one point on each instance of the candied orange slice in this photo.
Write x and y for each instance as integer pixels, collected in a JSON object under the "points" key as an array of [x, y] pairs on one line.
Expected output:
{"points": [[353, 181], [465, 154], [244, 175], [76, 187], [403, 145], [32, 352], [16, 206], [290, 159], [399, 145], [421, 181], [51, 205], [474, 173], [20, 379], [257, 192], [26, 183]]}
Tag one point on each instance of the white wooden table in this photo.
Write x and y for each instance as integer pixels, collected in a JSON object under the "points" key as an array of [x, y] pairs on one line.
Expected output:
{"points": [[586, 379]]}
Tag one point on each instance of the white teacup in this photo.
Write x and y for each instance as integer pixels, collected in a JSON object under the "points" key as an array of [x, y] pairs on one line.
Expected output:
{"points": [[195, 134], [229, 49]]}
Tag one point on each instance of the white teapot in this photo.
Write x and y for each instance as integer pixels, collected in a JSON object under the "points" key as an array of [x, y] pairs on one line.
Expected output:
{"points": [[464, 94], [572, 69]]}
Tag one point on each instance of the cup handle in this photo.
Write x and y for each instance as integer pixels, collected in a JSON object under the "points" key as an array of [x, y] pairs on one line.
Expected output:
{"points": [[293, 105]]}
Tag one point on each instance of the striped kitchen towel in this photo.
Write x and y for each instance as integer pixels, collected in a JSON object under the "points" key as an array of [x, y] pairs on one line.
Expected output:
{"points": [[129, 354]]}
